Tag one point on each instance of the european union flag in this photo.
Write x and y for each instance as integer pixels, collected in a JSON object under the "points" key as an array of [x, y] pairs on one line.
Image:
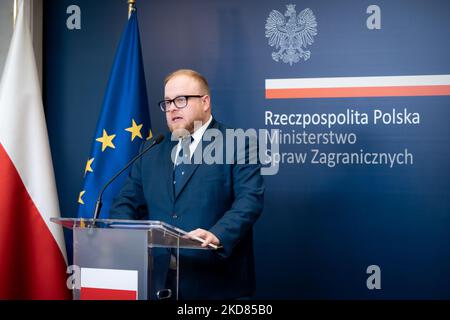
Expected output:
{"points": [[123, 125]]}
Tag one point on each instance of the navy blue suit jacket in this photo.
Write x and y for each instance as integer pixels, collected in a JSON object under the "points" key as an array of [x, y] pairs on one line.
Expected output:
{"points": [[225, 199]]}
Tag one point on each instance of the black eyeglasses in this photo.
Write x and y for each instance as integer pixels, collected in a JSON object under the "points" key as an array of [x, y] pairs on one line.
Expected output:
{"points": [[180, 102]]}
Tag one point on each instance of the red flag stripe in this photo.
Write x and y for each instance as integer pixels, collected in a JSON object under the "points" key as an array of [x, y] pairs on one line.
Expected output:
{"points": [[107, 294], [32, 265], [358, 92]]}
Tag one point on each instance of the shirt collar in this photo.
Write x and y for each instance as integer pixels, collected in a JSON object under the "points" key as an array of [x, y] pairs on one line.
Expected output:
{"points": [[198, 134]]}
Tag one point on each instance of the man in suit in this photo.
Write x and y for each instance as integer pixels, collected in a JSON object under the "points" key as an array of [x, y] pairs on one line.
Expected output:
{"points": [[217, 202]]}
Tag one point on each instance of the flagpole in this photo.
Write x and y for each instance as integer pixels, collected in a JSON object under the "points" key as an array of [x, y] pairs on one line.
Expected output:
{"points": [[131, 7], [15, 11]]}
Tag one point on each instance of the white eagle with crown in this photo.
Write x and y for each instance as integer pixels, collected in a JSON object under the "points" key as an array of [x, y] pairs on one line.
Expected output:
{"points": [[291, 37]]}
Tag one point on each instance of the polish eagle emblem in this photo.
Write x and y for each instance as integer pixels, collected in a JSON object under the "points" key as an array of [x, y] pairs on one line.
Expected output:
{"points": [[290, 34]]}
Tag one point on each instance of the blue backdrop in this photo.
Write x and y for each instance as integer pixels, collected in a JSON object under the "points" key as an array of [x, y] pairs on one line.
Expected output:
{"points": [[322, 226]]}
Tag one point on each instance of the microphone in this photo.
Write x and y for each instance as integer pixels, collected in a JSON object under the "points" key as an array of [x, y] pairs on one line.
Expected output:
{"points": [[98, 204]]}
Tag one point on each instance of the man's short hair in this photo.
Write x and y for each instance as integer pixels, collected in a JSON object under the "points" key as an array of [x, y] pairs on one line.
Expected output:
{"points": [[190, 73]]}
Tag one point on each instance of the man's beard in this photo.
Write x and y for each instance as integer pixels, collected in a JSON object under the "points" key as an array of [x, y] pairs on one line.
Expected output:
{"points": [[183, 131]]}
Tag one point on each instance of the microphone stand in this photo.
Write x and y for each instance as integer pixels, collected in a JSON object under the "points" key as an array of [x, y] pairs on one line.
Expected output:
{"points": [[98, 204]]}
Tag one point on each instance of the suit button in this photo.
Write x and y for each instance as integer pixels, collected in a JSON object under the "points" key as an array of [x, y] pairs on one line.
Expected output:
{"points": [[174, 216]]}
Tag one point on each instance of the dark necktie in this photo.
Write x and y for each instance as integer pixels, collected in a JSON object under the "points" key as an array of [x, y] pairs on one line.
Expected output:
{"points": [[182, 162]]}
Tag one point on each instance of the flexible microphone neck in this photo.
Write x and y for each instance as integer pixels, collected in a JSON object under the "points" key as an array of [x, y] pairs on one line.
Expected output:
{"points": [[98, 204]]}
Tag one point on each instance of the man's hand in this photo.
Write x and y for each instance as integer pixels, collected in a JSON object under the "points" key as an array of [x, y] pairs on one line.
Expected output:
{"points": [[206, 236]]}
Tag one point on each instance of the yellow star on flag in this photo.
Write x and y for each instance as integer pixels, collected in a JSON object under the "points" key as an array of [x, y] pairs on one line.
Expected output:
{"points": [[80, 200], [88, 166], [106, 140], [135, 130], [150, 134]]}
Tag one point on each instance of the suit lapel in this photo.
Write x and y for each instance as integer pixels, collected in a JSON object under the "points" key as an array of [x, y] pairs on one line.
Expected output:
{"points": [[190, 169], [167, 167]]}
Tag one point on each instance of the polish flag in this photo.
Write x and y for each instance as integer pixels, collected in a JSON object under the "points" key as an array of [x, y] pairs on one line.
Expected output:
{"points": [[359, 87], [108, 284], [32, 252]]}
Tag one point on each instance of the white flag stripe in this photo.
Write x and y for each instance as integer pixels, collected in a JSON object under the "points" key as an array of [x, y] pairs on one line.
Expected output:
{"points": [[109, 279], [23, 130], [351, 82]]}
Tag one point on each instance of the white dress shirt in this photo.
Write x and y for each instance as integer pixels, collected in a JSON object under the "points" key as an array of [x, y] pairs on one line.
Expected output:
{"points": [[197, 136]]}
